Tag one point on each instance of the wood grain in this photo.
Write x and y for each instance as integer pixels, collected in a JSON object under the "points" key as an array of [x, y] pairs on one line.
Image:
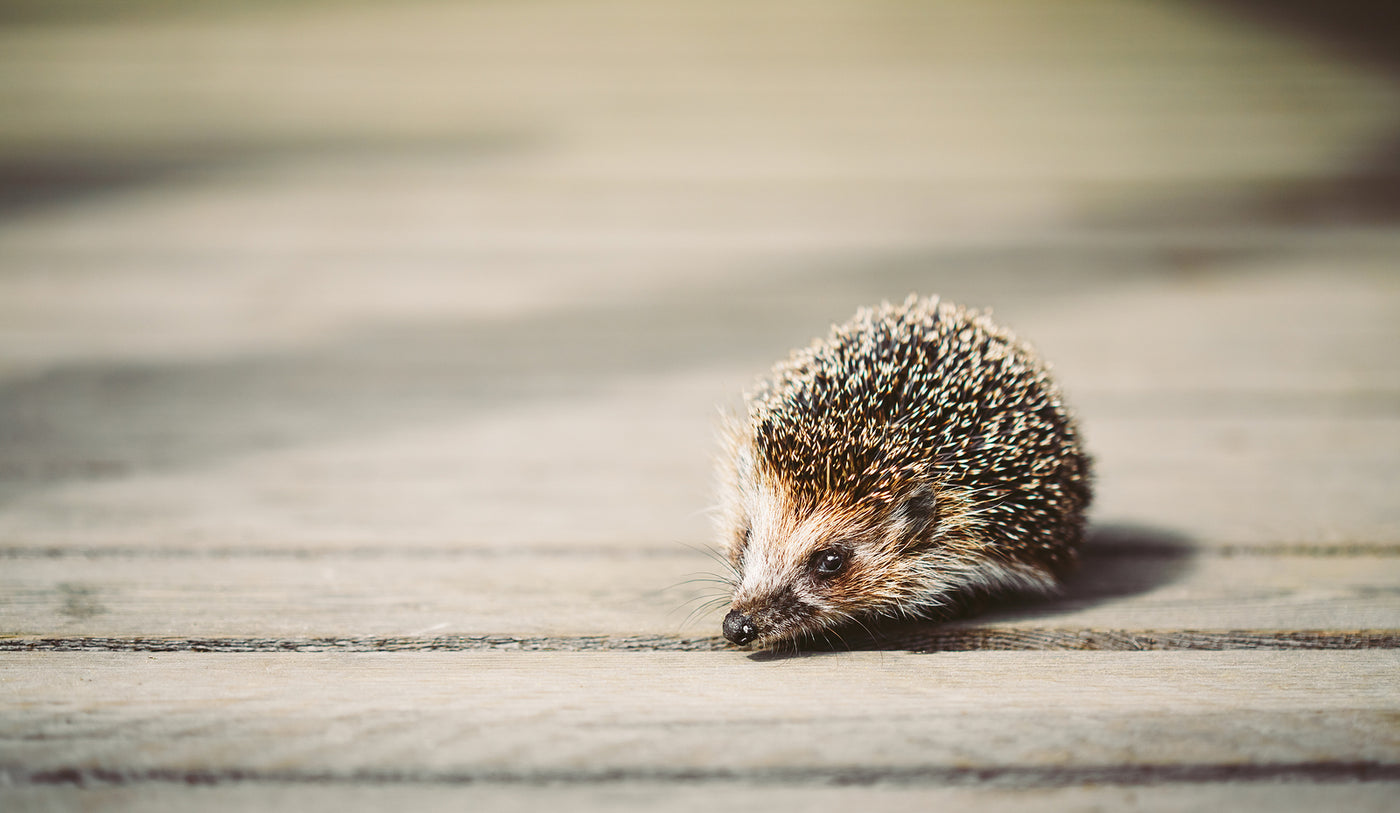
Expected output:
{"points": [[1368, 796], [359, 363], [570, 595], [905, 637], [590, 717]]}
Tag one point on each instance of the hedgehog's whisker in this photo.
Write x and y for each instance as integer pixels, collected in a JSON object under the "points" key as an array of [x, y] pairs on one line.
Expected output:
{"points": [[709, 510], [704, 598], [701, 578], [711, 553], [701, 609]]}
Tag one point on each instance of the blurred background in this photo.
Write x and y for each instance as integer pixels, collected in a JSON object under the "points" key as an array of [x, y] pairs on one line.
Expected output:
{"points": [[336, 273]]}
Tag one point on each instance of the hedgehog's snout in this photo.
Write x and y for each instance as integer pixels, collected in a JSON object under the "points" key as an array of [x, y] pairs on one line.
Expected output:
{"points": [[739, 628]]}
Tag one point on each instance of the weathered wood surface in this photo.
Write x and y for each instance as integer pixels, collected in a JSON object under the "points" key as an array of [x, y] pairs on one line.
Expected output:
{"points": [[567, 594], [859, 717], [358, 372], [1267, 797]]}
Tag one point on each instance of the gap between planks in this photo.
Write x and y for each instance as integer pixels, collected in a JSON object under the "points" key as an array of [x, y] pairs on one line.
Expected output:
{"points": [[681, 550], [1004, 776], [958, 640]]}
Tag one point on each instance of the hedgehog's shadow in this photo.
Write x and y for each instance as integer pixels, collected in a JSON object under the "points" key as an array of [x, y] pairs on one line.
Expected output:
{"points": [[1117, 561]]}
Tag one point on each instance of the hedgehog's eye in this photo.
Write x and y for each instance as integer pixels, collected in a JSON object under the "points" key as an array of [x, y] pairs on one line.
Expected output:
{"points": [[827, 562]]}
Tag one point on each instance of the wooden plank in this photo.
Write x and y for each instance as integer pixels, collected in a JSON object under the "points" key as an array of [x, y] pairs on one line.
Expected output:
{"points": [[590, 717], [925, 83], [435, 593], [137, 330], [393, 462], [631, 470], [1374, 796], [1259, 480], [1271, 321], [459, 445], [384, 593], [248, 404]]}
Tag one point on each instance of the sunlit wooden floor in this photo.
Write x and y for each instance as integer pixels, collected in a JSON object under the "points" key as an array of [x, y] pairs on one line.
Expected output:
{"points": [[360, 366]]}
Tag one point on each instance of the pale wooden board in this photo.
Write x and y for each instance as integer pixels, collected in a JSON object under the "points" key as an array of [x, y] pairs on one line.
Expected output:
{"points": [[631, 90], [433, 594], [584, 717], [423, 344], [346, 444], [1265, 797], [632, 470], [447, 280]]}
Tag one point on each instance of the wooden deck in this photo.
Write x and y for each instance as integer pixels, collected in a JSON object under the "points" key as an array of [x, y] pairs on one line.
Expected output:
{"points": [[359, 368]]}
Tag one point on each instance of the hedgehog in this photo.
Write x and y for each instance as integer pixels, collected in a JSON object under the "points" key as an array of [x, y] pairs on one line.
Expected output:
{"points": [[915, 462]]}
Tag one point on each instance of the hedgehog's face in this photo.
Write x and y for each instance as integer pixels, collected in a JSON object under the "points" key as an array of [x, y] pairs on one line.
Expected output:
{"points": [[800, 573]]}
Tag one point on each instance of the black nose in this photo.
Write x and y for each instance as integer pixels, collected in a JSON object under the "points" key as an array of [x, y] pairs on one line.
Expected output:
{"points": [[739, 628]]}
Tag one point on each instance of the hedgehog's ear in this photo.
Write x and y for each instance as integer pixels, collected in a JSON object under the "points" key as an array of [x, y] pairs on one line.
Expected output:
{"points": [[917, 514]]}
